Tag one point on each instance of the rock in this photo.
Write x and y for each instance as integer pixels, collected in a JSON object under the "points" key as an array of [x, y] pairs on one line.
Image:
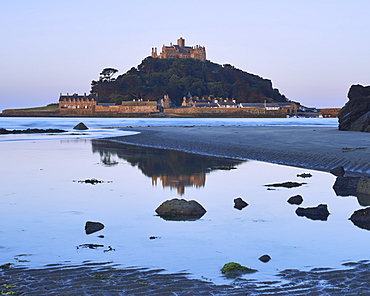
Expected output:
{"points": [[239, 203], [345, 186], [304, 175], [295, 200], [234, 270], [338, 171], [4, 131], [363, 186], [361, 218], [81, 126], [288, 184], [180, 209], [315, 213], [91, 227], [90, 246], [355, 115], [264, 258]]}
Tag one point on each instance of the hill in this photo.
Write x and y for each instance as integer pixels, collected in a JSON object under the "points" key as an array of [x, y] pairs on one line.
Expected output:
{"points": [[154, 78]]}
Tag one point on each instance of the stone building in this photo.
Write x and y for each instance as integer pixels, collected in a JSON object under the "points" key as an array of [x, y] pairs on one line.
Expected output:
{"points": [[87, 104], [76, 101], [180, 51]]}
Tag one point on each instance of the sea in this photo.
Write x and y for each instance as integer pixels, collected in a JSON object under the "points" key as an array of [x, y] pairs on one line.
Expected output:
{"points": [[45, 203]]}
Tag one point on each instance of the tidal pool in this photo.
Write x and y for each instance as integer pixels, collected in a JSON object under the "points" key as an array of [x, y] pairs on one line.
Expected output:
{"points": [[44, 209]]}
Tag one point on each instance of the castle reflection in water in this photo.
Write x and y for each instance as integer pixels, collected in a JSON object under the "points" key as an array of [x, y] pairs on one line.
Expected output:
{"points": [[175, 169]]}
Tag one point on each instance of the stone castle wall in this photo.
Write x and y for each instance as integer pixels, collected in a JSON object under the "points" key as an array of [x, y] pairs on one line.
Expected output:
{"points": [[225, 112]]}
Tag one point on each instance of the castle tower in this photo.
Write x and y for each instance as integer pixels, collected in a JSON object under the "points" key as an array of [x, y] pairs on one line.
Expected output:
{"points": [[181, 42]]}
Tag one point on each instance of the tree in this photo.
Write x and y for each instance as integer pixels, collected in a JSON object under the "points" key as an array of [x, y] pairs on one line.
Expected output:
{"points": [[107, 73]]}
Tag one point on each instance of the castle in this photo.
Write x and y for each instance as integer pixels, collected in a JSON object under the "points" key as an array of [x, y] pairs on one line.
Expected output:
{"points": [[180, 51]]}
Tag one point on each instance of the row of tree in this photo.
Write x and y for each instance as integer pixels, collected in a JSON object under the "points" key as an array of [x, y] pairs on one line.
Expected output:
{"points": [[154, 78]]}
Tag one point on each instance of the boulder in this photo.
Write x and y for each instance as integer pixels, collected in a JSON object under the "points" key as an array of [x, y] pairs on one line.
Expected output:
{"points": [[345, 186], [239, 203], [264, 258], [355, 115], [315, 213], [361, 218], [91, 227], [363, 186], [81, 126], [295, 200], [180, 209], [338, 171]]}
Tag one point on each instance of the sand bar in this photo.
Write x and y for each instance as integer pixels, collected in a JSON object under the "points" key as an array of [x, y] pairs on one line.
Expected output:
{"points": [[319, 148]]}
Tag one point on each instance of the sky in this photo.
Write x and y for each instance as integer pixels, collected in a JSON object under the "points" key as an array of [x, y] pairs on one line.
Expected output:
{"points": [[312, 51]]}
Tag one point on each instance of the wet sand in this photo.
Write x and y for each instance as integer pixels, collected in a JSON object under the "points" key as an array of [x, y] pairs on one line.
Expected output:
{"points": [[318, 148], [105, 279]]}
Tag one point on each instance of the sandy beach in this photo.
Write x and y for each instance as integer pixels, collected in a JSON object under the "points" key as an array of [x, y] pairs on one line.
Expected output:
{"points": [[319, 148]]}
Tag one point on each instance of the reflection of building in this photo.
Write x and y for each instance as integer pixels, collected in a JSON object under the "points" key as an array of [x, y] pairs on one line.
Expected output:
{"points": [[180, 51], [180, 182]]}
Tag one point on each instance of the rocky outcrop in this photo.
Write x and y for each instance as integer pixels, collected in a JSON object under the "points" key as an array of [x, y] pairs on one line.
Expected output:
{"points": [[4, 131], [315, 213], [361, 218], [180, 209], [355, 115]]}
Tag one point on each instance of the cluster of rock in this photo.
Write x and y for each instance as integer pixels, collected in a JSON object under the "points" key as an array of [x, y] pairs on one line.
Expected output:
{"points": [[355, 115]]}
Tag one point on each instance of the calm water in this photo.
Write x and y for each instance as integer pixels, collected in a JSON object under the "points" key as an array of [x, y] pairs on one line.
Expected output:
{"points": [[44, 208]]}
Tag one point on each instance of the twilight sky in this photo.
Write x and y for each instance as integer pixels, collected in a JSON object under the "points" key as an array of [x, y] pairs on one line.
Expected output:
{"points": [[313, 51]]}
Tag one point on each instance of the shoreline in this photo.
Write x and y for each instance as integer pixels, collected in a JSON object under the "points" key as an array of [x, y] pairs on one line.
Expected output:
{"points": [[310, 147]]}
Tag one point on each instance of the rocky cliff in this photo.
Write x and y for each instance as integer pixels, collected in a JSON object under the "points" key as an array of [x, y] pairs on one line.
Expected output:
{"points": [[355, 115]]}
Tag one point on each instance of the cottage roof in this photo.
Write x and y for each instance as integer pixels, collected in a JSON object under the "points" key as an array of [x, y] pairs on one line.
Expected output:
{"points": [[75, 96]]}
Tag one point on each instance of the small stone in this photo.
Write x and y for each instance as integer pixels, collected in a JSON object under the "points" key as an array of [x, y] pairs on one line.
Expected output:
{"points": [[265, 258], [304, 175], [295, 200], [239, 203], [81, 126], [91, 227]]}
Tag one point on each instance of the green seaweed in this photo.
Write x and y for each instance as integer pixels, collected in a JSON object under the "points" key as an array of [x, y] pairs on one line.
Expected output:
{"points": [[5, 265], [98, 276], [233, 270]]}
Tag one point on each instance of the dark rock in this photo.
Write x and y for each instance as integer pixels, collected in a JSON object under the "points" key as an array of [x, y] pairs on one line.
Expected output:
{"points": [[304, 175], [355, 115], [345, 186], [315, 213], [4, 131], [92, 181], [239, 203], [338, 171], [361, 218], [295, 200], [180, 209], [363, 186], [288, 184], [91, 227], [81, 126], [264, 258], [90, 246]]}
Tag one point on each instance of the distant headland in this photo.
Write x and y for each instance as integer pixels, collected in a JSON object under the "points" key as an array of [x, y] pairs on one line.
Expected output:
{"points": [[177, 82]]}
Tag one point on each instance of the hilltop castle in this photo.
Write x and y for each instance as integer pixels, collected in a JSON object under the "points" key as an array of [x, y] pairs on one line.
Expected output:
{"points": [[180, 51]]}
